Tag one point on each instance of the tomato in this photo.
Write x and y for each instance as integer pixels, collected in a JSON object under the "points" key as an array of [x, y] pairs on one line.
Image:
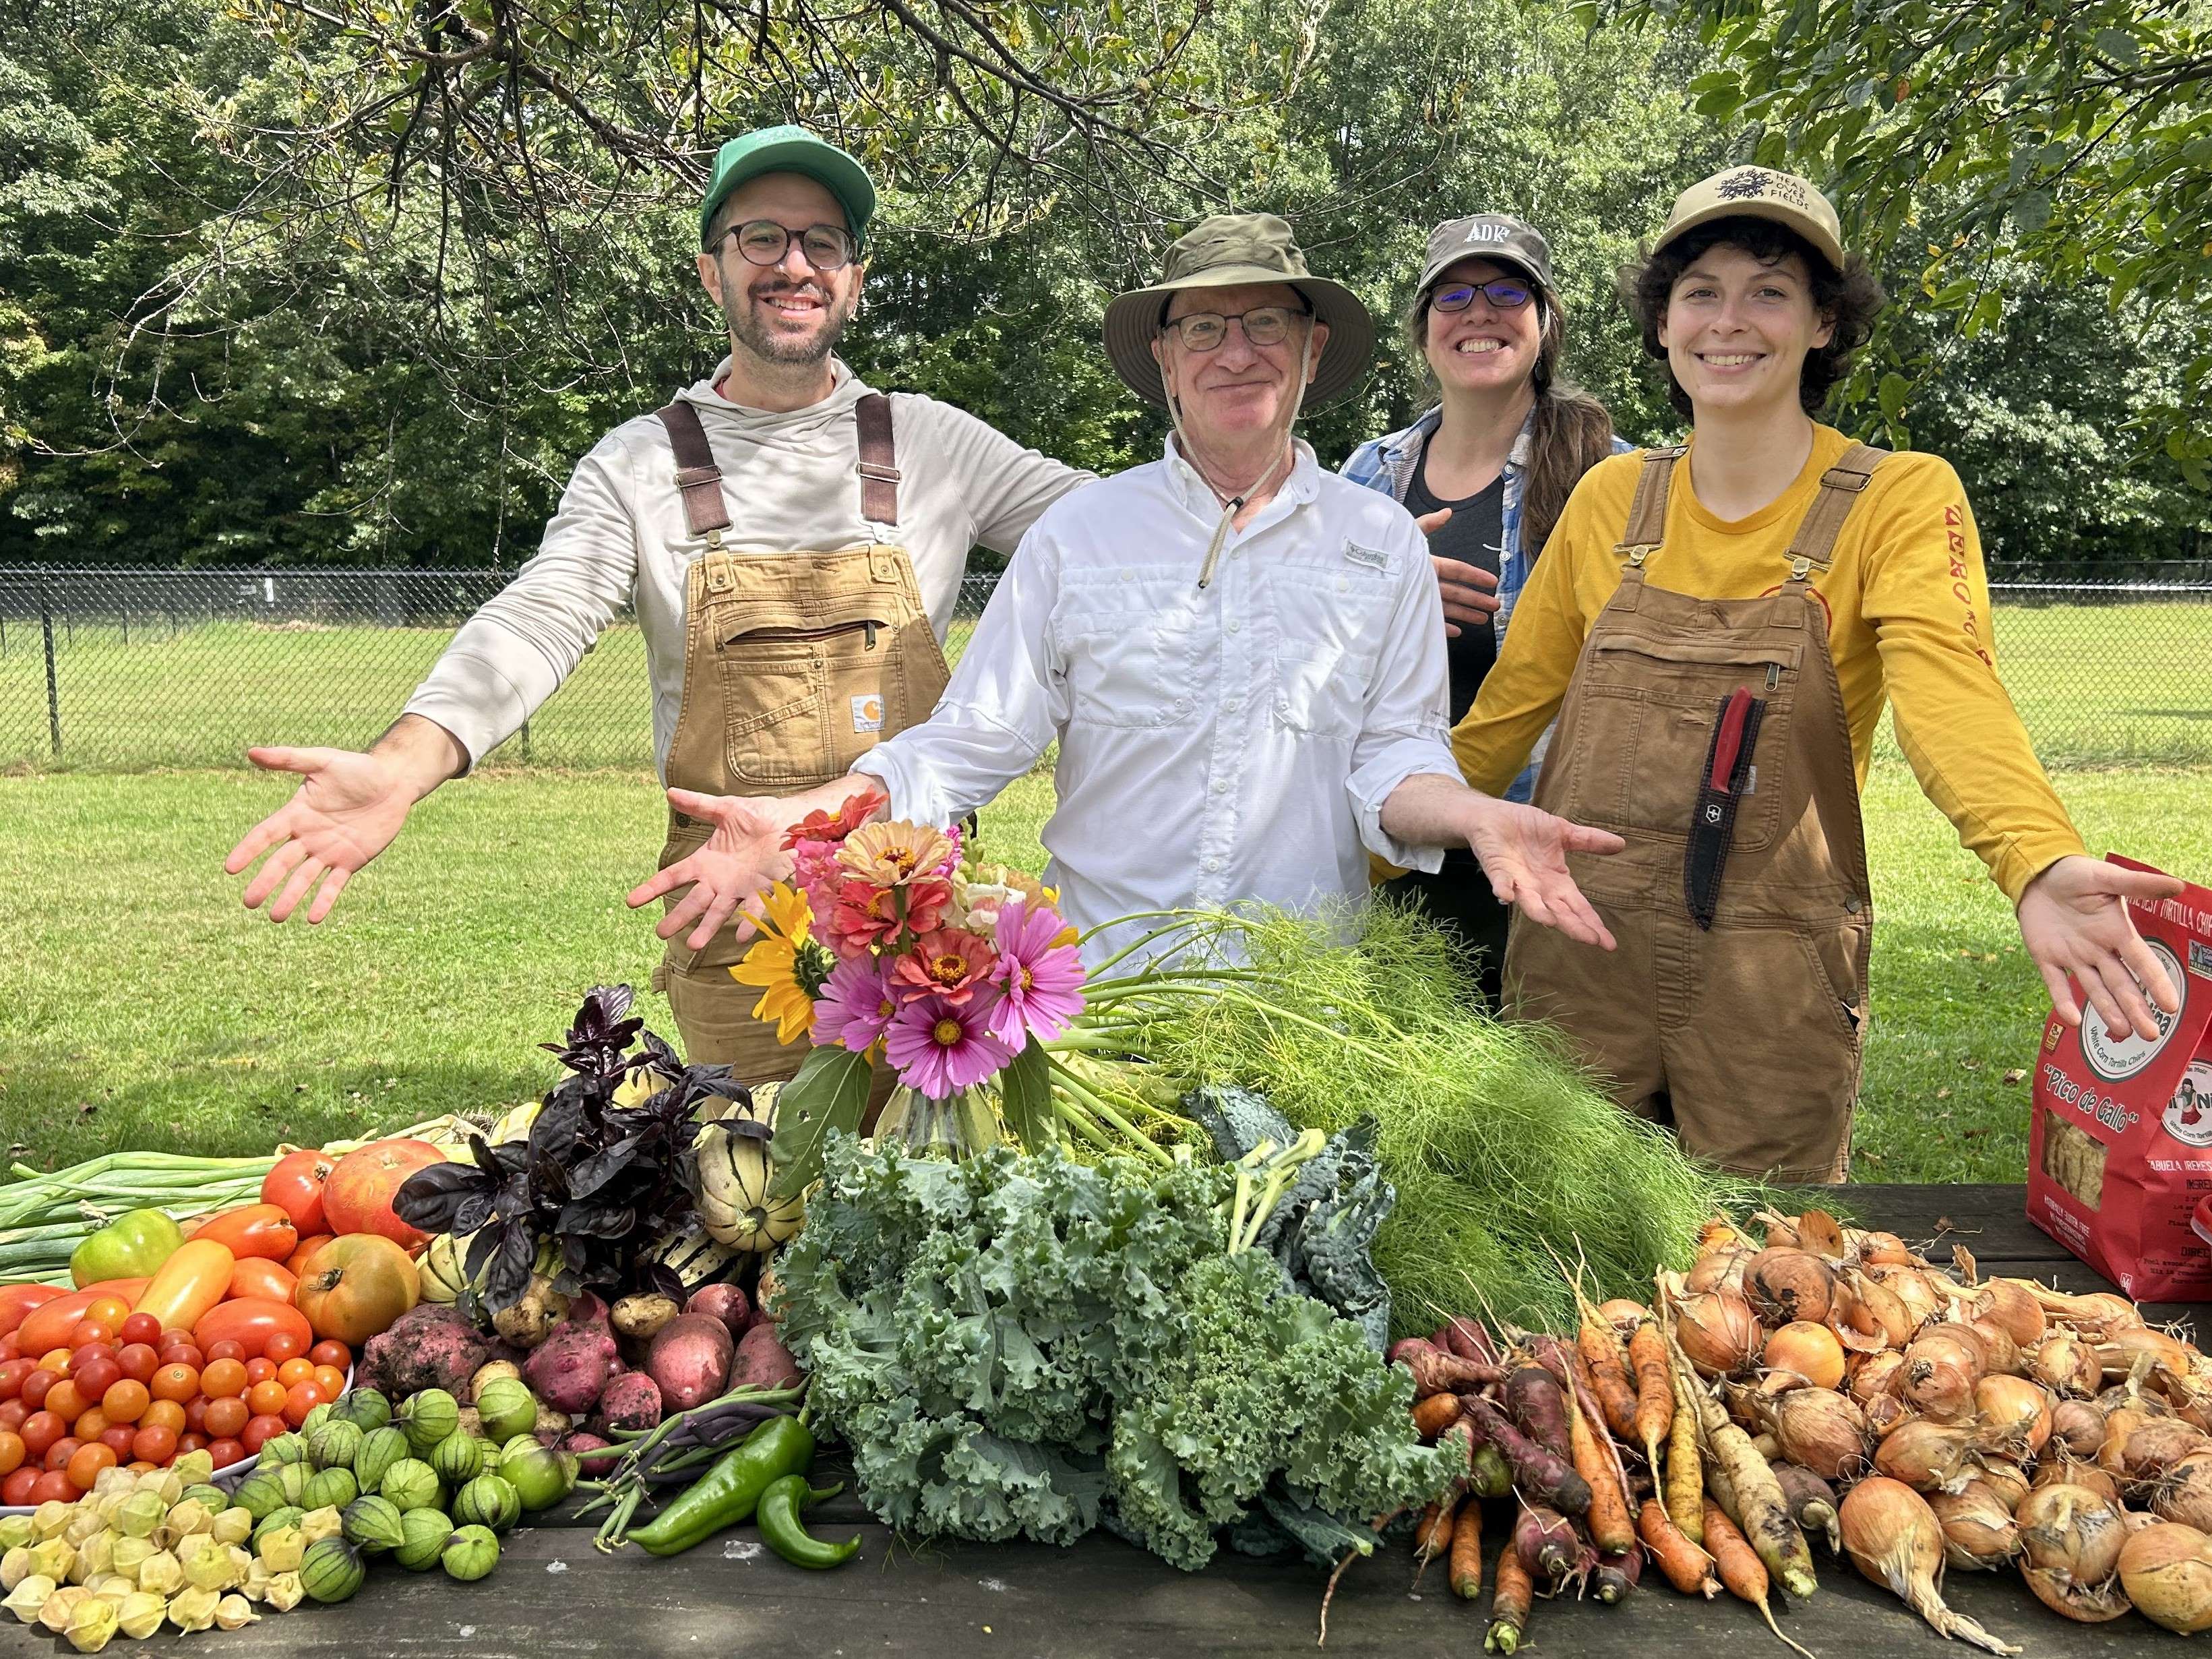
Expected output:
{"points": [[183, 1354], [12, 1373], [225, 1452], [259, 1370], [85, 1465], [58, 1454], [155, 1444], [66, 1399], [110, 1307], [357, 1286], [262, 1231], [91, 1333], [284, 1346], [189, 1283], [176, 1382], [224, 1378], [334, 1354], [357, 1198], [301, 1399], [53, 1487], [196, 1413], [33, 1391], [141, 1328], [16, 1490], [308, 1246], [11, 1346], [139, 1362], [90, 1425], [41, 1430], [296, 1187], [16, 1302], [301, 1369], [261, 1429], [266, 1399], [12, 1413], [55, 1360], [164, 1414], [94, 1377], [226, 1351], [118, 1437], [331, 1380], [226, 1417], [250, 1321], [126, 1401], [11, 1453], [272, 1280]]}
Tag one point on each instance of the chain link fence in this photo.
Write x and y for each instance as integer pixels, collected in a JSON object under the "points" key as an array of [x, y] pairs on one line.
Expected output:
{"points": [[129, 669]]}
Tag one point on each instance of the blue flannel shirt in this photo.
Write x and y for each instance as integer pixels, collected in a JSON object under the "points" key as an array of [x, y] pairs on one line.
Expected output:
{"points": [[1388, 464]]}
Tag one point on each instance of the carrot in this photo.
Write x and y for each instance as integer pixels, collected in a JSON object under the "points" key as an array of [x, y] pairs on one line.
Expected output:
{"points": [[1686, 1481], [1610, 1529], [1437, 1372], [1466, 1551], [1739, 1567], [1536, 1400], [1689, 1568], [1655, 1391], [1615, 1575], [1761, 1511], [1508, 1603], [1608, 1371], [1434, 1414], [1544, 1543], [1540, 1472], [1432, 1534], [1466, 1338]]}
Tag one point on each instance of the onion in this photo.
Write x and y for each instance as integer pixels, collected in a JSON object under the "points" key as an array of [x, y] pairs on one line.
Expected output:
{"points": [[2016, 1414], [1718, 1232], [1718, 1331], [1928, 1457], [2066, 1363], [1781, 1230], [2004, 1477], [2070, 1540], [1623, 1315], [2004, 1352], [2098, 1315], [2078, 1426], [1979, 1532], [1786, 1284], [2011, 1305], [1812, 1351], [1915, 1288], [1718, 1269], [2119, 1424], [1885, 1250], [2184, 1492], [2120, 1350], [1941, 1369], [1895, 1539], [1887, 1412], [2167, 1571], [2159, 1445], [1876, 1375], [1766, 1446], [2065, 1471], [1822, 1431], [1876, 1311]]}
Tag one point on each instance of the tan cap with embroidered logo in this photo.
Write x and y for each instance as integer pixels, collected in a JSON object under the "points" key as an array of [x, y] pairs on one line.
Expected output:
{"points": [[1754, 192]]}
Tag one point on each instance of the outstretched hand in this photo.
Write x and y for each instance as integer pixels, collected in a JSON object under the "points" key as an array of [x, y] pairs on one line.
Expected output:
{"points": [[2073, 920], [346, 811], [1523, 850], [741, 859]]}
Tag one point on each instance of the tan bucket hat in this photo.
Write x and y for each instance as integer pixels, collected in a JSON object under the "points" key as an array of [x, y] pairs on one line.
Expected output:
{"points": [[1230, 250], [1759, 193]]}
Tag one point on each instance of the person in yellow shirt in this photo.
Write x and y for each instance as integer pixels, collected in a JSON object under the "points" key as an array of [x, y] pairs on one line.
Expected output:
{"points": [[1716, 628]]}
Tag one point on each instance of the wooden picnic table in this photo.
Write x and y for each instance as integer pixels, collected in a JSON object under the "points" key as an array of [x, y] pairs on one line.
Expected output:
{"points": [[554, 1594]]}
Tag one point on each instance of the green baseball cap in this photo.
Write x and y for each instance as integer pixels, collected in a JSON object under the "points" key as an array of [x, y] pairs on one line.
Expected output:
{"points": [[790, 149]]}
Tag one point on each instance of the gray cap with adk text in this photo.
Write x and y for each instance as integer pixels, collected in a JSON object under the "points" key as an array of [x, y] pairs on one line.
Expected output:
{"points": [[1495, 236]]}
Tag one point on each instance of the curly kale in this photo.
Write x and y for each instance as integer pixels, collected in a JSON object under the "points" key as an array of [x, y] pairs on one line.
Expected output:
{"points": [[1025, 1346]]}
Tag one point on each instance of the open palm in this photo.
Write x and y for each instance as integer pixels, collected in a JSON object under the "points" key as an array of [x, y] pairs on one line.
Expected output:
{"points": [[346, 811], [741, 857], [1523, 850]]}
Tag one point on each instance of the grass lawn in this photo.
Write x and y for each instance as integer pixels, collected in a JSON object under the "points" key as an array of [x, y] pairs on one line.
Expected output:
{"points": [[141, 1004]]}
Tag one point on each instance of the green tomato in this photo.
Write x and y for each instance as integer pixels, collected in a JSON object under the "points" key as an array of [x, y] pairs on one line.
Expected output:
{"points": [[410, 1484], [508, 1408], [488, 1501], [422, 1535], [542, 1476], [470, 1553], [132, 1245]]}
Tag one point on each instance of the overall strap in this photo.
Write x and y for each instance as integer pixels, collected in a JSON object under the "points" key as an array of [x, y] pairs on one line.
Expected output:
{"points": [[1813, 546], [697, 479], [1647, 513], [879, 473]]}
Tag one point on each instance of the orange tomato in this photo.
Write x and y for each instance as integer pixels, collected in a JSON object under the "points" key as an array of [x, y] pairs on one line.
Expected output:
{"points": [[126, 1401], [331, 1380], [110, 1311], [176, 1382], [250, 1321], [298, 1370], [164, 1414], [257, 1277], [261, 1231], [11, 1453], [224, 1379], [66, 1401], [90, 1425], [47, 1326], [17, 1301], [308, 1246], [188, 1284], [265, 1399], [86, 1463], [356, 1286]]}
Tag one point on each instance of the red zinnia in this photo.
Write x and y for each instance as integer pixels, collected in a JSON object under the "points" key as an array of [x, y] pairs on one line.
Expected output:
{"points": [[950, 962]]}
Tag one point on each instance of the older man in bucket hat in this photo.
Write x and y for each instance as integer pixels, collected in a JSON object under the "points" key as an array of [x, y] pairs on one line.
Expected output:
{"points": [[1240, 655]]}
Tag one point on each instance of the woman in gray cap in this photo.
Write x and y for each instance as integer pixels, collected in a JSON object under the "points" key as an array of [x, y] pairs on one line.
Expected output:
{"points": [[1485, 471]]}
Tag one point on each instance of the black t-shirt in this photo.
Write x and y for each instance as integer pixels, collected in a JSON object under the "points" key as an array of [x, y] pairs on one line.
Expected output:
{"points": [[1472, 535]]}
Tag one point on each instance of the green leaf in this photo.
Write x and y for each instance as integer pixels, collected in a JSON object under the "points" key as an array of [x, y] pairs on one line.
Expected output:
{"points": [[1025, 1099], [1892, 392], [2032, 212], [830, 1092], [2120, 47]]}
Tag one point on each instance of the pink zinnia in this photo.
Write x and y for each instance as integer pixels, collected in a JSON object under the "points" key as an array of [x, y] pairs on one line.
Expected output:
{"points": [[862, 917], [855, 1005], [951, 963], [940, 1050], [1040, 982]]}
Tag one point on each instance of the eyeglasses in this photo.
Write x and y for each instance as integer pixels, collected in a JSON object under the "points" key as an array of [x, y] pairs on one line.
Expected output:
{"points": [[764, 242], [1203, 331], [1504, 294]]}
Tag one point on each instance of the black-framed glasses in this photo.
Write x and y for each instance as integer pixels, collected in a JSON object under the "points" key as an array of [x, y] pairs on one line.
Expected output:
{"points": [[1506, 294], [764, 242], [1203, 331]]}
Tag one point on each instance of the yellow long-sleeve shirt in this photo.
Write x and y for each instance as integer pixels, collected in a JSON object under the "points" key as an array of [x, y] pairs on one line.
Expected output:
{"points": [[1909, 620]]}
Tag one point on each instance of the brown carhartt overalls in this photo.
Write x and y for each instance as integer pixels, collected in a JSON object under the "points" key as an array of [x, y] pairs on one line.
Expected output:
{"points": [[795, 664], [1745, 1035]]}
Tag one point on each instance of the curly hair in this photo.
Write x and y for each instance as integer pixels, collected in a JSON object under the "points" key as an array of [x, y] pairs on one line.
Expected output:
{"points": [[1848, 300]]}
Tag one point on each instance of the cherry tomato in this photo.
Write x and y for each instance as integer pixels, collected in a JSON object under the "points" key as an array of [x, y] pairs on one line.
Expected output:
{"points": [[126, 1401], [331, 1380], [90, 1425], [282, 1345], [173, 1381], [55, 1360], [41, 1430], [266, 1398], [86, 1332], [253, 1323], [58, 1454], [164, 1414], [142, 1467], [33, 1391], [155, 1444], [183, 1354], [260, 1429], [53, 1487], [298, 1370], [190, 1442], [118, 1437], [336, 1355], [66, 1401], [15, 1490], [301, 1399], [260, 1371], [12, 1373], [139, 1361], [224, 1350], [141, 1328], [85, 1467], [296, 1186], [196, 1410], [223, 1378], [226, 1417], [92, 1378], [12, 1413], [11, 1453], [225, 1452]]}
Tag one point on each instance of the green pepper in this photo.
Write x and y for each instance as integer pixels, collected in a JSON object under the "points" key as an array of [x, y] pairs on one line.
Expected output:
{"points": [[782, 1531], [731, 1489]]}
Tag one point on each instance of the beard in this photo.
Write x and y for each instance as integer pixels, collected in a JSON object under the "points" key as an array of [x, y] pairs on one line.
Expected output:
{"points": [[770, 343]]}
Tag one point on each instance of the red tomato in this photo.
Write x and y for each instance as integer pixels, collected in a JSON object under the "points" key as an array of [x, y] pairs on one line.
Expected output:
{"points": [[155, 1445], [334, 1354], [283, 1347], [16, 1302], [261, 1429], [138, 1361], [262, 1370], [12, 1373], [253, 1276], [357, 1284], [357, 1198], [183, 1354], [12, 1413], [48, 1324], [33, 1391], [262, 1231], [296, 1187], [301, 1399], [118, 1437], [51, 1488], [191, 1441], [195, 1411], [58, 1454], [89, 1333], [308, 1246], [226, 1419], [224, 1351], [11, 1346], [225, 1452], [250, 1321], [16, 1490], [39, 1431], [94, 1377], [141, 1327]]}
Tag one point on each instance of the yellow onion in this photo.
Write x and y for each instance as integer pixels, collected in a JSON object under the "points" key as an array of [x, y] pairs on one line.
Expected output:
{"points": [[1928, 1457], [1821, 1430], [1811, 1351], [1913, 1287], [1718, 1331], [2010, 1305], [1884, 1250], [2004, 1352], [2098, 1315], [2016, 1414], [1979, 1532], [1786, 1284], [1877, 1310], [2167, 1568], [2157, 1446], [1941, 1369], [1781, 1230], [1720, 1268], [2065, 1471], [1895, 1539], [2006, 1478], [2120, 1422], [2120, 1351], [1623, 1315], [2069, 1541], [2067, 1363], [2184, 1492], [1887, 1412], [1876, 1375]]}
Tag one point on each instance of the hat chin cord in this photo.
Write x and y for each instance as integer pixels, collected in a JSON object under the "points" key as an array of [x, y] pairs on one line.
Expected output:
{"points": [[1232, 505]]}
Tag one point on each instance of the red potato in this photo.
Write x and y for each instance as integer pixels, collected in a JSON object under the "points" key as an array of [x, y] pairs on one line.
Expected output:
{"points": [[690, 1360], [725, 1303], [569, 1370], [762, 1361], [631, 1400]]}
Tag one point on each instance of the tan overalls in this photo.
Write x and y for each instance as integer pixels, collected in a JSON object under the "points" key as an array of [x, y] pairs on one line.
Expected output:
{"points": [[1746, 1034], [795, 664]]}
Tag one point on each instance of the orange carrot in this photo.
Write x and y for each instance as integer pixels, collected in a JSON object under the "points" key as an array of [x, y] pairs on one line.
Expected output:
{"points": [[1739, 1565], [1608, 1369], [1433, 1536], [1433, 1415], [1689, 1568], [1655, 1391], [1610, 1528], [1466, 1551], [1509, 1602]]}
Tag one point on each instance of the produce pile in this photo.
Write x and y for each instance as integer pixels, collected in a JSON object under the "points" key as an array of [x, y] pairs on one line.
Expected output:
{"points": [[1828, 1381]]}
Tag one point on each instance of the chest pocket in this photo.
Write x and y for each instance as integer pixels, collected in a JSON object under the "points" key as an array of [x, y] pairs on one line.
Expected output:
{"points": [[1132, 640], [1329, 621], [1649, 709]]}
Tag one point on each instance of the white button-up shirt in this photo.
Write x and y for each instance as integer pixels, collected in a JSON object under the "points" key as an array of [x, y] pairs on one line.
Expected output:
{"points": [[1216, 746]]}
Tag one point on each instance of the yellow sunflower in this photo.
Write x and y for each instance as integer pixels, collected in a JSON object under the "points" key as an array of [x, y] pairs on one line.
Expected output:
{"points": [[787, 964]]}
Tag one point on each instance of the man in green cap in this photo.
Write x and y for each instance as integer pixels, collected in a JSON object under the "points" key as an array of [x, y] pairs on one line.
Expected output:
{"points": [[792, 543], [1240, 655]]}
